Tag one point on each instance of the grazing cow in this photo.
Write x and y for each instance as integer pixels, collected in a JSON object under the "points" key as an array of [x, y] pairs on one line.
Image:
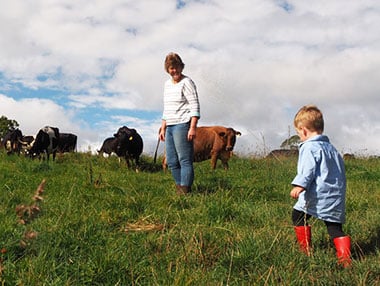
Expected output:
{"points": [[67, 142], [129, 145], [213, 142], [11, 141], [283, 153], [46, 142], [26, 143], [348, 156], [109, 146]]}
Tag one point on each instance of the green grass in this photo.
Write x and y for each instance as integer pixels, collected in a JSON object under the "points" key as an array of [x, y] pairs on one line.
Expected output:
{"points": [[101, 224]]}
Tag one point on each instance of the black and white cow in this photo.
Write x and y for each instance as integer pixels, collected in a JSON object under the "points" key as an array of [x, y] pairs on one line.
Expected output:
{"points": [[129, 145], [67, 142], [109, 146], [11, 141], [46, 142]]}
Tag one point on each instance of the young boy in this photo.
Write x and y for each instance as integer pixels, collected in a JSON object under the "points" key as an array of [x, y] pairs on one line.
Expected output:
{"points": [[320, 185]]}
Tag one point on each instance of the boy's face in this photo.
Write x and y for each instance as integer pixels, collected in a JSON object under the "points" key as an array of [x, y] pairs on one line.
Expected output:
{"points": [[302, 132], [305, 133]]}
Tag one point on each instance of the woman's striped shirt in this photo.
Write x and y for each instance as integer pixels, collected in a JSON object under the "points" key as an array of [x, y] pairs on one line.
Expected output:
{"points": [[180, 101]]}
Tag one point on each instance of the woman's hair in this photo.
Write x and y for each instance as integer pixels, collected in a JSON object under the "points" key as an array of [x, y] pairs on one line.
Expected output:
{"points": [[311, 117], [173, 60]]}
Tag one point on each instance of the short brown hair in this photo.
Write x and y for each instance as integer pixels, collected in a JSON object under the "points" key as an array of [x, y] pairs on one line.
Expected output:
{"points": [[311, 117], [173, 60]]}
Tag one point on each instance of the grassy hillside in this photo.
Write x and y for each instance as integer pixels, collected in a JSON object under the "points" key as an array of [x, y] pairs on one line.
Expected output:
{"points": [[101, 224]]}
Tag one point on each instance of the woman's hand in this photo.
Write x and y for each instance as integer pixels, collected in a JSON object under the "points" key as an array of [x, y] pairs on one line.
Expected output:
{"points": [[191, 134], [161, 132]]}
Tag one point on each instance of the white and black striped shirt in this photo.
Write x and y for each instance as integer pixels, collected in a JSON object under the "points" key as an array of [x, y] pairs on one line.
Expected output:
{"points": [[180, 101]]}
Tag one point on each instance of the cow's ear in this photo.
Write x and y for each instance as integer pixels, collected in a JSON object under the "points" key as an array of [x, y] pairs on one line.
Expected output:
{"points": [[130, 138], [238, 133]]}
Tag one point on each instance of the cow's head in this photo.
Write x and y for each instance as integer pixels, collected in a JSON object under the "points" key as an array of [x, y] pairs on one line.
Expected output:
{"points": [[11, 140], [27, 142], [229, 138], [38, 144], [125, 133], [124, 137]]}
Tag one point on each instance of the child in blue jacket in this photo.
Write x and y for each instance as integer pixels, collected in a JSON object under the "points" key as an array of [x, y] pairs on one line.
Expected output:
{"points": [[320, 185]]}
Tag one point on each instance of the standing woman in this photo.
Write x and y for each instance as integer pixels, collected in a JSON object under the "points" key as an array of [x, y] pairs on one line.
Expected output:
{"points": [[179, 122]]}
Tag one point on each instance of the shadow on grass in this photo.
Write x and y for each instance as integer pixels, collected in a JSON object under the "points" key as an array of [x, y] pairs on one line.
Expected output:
{"points": [[150, 167], [368, 248], [213, 185], [42, 167]]}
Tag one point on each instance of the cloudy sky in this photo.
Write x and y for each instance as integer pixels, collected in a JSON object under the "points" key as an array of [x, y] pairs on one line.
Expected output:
{"points": [[90, 67]]}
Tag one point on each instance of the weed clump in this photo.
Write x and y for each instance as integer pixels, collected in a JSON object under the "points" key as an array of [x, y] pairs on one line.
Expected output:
{"points": [[27, 213]]}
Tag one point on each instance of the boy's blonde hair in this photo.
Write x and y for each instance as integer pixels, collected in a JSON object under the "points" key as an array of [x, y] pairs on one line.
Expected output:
{"points": [[173, 60], [311, 117]]}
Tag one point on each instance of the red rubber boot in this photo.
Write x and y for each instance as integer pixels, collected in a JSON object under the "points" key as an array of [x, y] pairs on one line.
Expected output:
{"points": [[303, 234], [343, 250]]}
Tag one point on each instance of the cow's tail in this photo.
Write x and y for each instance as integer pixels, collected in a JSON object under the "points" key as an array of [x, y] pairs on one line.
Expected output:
{"points": [[155, 152]]}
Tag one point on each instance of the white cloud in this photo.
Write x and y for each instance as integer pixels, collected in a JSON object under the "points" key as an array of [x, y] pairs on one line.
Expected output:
{"points": [[34, 113], [125, 101], [254, 63]]}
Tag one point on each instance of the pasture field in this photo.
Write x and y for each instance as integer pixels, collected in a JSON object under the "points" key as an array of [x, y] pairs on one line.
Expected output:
{"points": [[96, 223]]}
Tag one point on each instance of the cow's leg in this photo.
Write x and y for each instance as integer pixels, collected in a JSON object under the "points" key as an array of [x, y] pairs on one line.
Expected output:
{"points": [[127, 162], [137, 162], [164, 164], [225, 164], [14, 148], [224, 157], [214, 159]]}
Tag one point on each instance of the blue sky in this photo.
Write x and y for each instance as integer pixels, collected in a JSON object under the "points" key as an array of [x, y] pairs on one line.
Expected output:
{"points": [[90, 67]]}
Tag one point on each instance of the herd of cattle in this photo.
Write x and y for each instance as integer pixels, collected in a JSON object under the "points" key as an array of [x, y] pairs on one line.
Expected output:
{"points": [[213, 142], [47, 141]]}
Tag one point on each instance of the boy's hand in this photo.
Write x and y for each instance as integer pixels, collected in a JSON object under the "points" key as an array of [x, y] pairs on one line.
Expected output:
{"points": [[295, 192]]}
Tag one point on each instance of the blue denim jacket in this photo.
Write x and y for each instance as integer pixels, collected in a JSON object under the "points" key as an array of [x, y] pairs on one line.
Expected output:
{"points": [[321, 172]]}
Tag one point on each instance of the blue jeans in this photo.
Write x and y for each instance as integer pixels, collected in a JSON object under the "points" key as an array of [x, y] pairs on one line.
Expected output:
{"points": [[180, 154]]}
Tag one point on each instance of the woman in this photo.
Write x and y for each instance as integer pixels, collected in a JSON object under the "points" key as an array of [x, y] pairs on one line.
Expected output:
{"points": [[179, 122]]}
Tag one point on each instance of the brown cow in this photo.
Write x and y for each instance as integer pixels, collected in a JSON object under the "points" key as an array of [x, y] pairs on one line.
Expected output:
{"points": [[212, 142]]}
